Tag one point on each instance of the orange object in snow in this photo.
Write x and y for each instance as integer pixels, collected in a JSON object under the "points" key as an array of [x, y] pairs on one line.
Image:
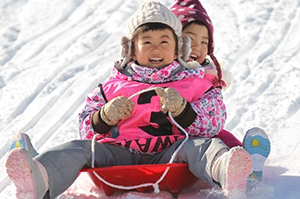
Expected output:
{"points": [[177, 178]]}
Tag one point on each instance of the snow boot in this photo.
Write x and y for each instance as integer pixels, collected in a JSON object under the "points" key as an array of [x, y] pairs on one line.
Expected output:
{"points": [[257, 144], [21, 140], [28, 175], [231, 170]]}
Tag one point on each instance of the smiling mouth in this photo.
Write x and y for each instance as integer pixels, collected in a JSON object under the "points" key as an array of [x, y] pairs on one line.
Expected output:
{"points": [[156, 60], [193, 57]]}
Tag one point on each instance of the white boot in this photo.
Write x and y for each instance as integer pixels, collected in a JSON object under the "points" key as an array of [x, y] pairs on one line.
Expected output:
{"points": [[28, 175], [231, 170]]}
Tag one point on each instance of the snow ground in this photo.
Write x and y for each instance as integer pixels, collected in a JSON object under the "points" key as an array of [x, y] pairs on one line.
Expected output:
{"points": [[52, 53]]}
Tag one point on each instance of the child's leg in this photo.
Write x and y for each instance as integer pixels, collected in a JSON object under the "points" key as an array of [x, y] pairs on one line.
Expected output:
{"points": [[257, 144], [199, 153], [62, 165], [64, 162], [228, 138], [202, 155]]}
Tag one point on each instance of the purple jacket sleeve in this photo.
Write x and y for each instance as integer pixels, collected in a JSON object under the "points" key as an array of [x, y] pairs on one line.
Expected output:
{"points": [[93, 103], [211, 115]]}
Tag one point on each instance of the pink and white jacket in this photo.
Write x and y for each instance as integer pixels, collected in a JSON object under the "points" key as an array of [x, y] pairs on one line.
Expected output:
{"points": [[148, 130]]}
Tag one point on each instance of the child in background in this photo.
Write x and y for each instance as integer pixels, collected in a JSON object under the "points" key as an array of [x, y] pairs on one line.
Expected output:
{"points": [[150, 82], [198, 26]]}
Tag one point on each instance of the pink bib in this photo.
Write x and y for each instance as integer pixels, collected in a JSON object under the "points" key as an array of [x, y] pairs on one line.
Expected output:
{"points": [[149, 130]]}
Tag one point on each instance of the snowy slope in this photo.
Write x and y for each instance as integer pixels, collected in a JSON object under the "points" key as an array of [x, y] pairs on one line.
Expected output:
{"points": [[52, 53]]}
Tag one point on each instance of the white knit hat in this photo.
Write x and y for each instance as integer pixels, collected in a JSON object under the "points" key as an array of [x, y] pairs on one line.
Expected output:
{"points": [[151, 12]]}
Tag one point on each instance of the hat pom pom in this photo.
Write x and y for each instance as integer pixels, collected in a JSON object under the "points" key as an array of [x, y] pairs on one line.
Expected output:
{"points": [[227, 77], [125, 46], [186, 48]]}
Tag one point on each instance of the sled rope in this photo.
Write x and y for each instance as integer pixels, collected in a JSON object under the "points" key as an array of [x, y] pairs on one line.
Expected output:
{"points": [[155, 185]]}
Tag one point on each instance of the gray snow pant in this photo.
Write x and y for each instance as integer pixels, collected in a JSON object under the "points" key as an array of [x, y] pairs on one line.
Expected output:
{"points": [[64, 162]]}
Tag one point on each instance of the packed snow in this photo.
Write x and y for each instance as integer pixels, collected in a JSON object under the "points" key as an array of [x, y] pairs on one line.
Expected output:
{"points": [[52, 53]]}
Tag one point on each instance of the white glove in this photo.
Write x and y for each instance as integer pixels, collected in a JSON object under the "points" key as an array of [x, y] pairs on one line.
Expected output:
{"points": [[116, 109], [171, 100]]}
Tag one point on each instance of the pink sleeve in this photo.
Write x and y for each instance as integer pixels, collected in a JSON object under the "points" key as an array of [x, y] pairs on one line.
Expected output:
{"points": [[94, 102], [211, 115]]}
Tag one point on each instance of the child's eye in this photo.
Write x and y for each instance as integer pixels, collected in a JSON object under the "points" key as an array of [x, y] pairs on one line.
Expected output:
{"points": [[164, 42], [147, 42], [204, 42]]}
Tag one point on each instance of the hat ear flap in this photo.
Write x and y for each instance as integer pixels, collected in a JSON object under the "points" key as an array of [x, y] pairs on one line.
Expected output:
{"points": [[125, 50], [125, 46], [186, 48]]}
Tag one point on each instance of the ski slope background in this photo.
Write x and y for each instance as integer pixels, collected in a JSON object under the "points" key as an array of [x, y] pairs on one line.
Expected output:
{"points": [[52, 53]]}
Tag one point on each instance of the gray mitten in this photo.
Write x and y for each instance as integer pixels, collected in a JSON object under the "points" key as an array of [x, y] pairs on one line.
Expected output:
{"points": [[116, 109], [171, 100]]}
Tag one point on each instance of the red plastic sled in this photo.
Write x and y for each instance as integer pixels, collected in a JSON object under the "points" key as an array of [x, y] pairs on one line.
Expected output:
{"points": [[178, 177]]}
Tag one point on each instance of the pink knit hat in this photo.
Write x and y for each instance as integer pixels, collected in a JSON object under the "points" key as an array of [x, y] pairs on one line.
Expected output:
{"points": [[192, 10]]}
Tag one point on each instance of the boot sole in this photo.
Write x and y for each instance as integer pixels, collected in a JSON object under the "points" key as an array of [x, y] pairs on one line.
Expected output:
{"points": [[19, 171], [238, 169], [257, 144]]}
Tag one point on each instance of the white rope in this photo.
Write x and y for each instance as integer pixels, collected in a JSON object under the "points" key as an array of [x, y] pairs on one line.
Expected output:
{"points": [[155, 185]]}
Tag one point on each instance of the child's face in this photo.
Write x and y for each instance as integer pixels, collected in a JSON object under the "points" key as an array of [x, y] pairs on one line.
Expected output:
{"points": [[199, 35], [155, 49]]}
